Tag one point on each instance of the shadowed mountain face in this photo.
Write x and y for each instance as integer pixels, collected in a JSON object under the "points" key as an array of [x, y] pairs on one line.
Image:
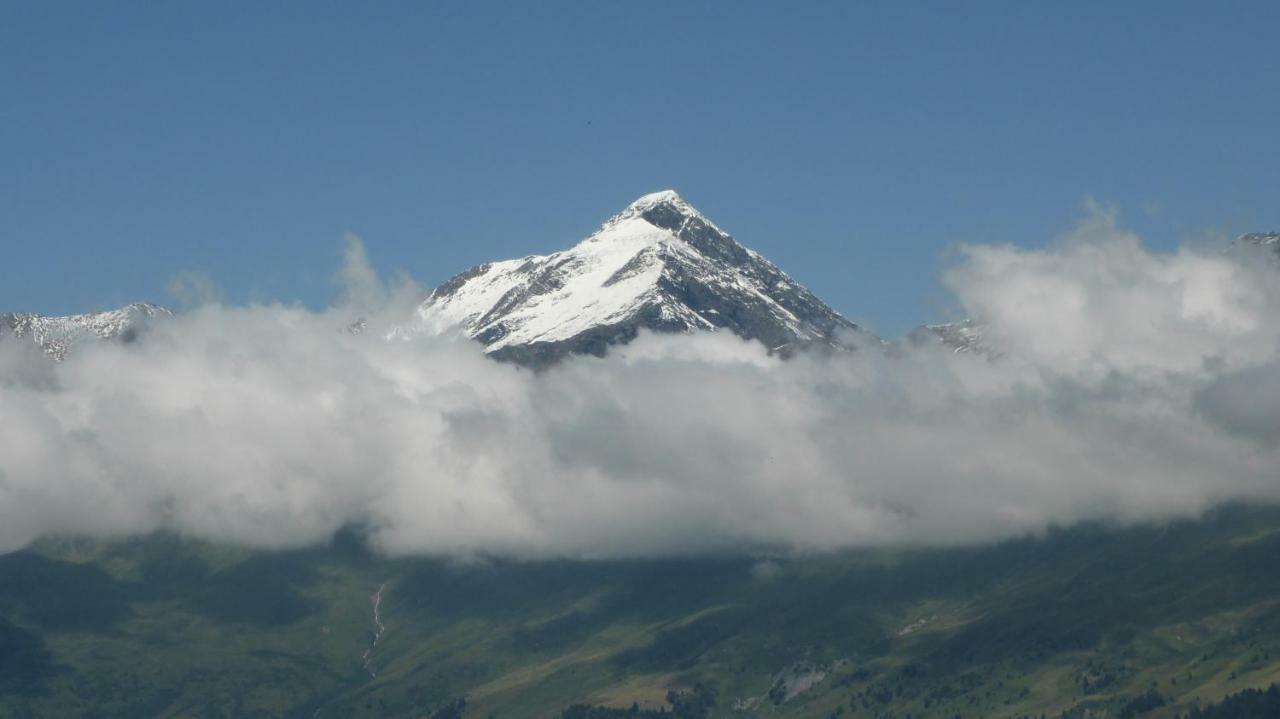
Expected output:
{"points": [[658, 265]]}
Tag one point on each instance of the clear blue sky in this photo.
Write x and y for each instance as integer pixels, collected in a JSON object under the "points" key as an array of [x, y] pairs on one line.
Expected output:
{"points": [[850, 142]]}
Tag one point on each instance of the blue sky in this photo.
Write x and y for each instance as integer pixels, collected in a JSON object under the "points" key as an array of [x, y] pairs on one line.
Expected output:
{"points": [[852, 143]]}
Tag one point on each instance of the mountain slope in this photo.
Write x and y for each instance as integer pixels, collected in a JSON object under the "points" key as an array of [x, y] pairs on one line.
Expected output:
{"points": [[1082, 622], [658, 265], [56, 335]]}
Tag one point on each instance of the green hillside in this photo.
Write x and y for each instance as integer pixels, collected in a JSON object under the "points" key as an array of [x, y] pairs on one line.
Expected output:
{"points": [[1090, 621]]}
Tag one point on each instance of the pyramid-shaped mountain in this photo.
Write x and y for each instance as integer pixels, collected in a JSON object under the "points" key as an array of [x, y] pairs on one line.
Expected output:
{"points": [[658, 265]]}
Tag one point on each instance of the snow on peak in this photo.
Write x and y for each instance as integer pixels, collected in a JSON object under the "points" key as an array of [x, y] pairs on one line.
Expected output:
{"points": [[659, 265], [665, 198], [56, 335], [654, 198], [665, 208]]}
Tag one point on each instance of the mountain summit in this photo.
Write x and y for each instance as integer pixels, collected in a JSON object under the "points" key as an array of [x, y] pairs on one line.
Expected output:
{"points": [[659, 265]]}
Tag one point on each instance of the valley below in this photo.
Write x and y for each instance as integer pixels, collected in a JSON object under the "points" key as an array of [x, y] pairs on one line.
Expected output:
{"points": [[1088, 621]]}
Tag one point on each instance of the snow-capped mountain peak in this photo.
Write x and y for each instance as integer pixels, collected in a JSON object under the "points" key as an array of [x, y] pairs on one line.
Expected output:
{"points": [[658, 264], [665, 208], [56, 335], [661, 197]]}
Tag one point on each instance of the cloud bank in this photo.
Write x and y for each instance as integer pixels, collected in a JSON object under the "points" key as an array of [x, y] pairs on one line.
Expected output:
{"points": [[1131, 385]]}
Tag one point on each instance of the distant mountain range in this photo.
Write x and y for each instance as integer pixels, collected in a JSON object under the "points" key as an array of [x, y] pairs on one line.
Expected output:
{"points": [[658, 265], [57, 335]]}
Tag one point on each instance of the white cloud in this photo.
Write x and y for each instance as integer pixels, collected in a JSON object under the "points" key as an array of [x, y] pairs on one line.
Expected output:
{"points": [[1135, 385]]}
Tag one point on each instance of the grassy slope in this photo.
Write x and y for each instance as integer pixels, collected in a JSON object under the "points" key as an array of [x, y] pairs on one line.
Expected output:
{"points": [[1082, 620]]}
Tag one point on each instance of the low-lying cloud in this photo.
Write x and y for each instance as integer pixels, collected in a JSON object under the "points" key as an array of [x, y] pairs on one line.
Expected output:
{"points": [[1130, 385]]}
